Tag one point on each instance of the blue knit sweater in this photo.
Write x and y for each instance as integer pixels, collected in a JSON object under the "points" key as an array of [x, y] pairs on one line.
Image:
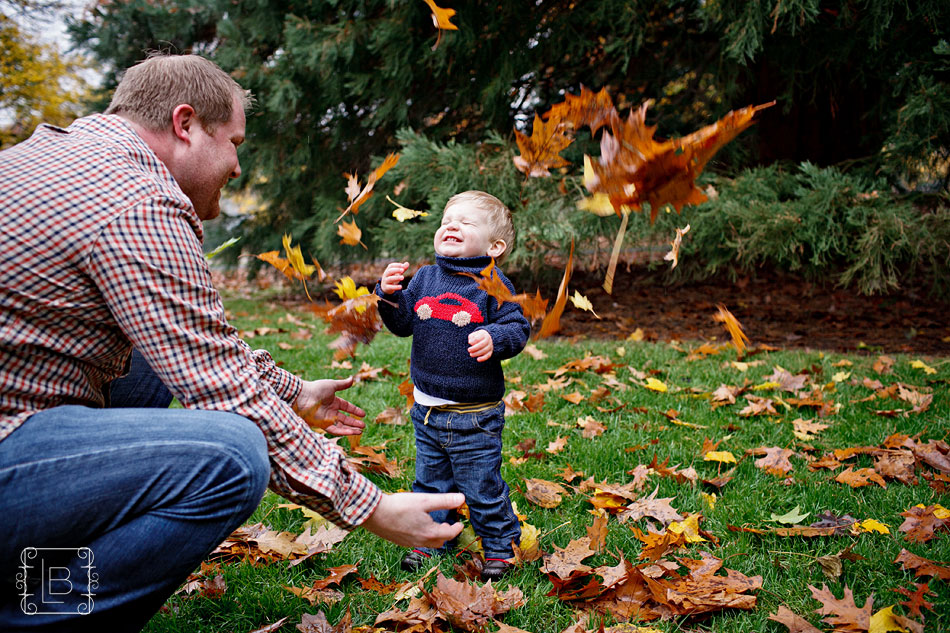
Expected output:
{"points": [[439, 309]]}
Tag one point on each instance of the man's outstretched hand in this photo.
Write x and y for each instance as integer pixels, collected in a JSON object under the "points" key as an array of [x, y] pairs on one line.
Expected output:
{"points": [[403, 518], [318, 404]]}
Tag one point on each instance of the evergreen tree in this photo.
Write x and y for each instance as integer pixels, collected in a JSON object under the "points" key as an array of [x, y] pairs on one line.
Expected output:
{"points": [[862, 81]]}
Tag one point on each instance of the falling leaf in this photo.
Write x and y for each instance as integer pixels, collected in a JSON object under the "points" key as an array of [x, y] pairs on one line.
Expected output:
{"points": [[739, 339], [674, 254], [552, 321], [402, 213], [583, 303], [388, 163], [295, 258], [222, 247], [540, 151], [350, 233], [441, 19]]}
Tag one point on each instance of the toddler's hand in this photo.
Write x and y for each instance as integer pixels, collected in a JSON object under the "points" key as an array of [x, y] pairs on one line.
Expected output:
{"points": [[393, 276], [480, 346]]}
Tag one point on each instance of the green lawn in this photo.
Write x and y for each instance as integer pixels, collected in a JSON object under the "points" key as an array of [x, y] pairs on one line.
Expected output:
{"points": [[634, 434]]}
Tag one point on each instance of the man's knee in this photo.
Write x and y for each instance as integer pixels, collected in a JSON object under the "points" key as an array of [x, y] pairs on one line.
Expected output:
{"points": [[244, 442]]}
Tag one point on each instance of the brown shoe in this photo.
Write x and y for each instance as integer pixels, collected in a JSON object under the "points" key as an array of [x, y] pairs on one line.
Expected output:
{"points": [[414, 560], [495, 569]]}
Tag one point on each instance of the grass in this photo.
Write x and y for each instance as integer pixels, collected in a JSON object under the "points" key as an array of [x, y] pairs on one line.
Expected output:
{"points": [[255, 596]]}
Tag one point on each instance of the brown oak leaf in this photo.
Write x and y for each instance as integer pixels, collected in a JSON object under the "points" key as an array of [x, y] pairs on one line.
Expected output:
{"points": [[845, 615], [794, 622], [922, 566]]}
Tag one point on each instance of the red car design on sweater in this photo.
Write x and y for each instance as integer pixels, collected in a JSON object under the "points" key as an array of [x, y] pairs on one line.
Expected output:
{"points": [[460, 313]]}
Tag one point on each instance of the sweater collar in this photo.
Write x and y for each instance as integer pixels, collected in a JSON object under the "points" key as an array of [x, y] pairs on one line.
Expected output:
{"points": [[454, 265]]}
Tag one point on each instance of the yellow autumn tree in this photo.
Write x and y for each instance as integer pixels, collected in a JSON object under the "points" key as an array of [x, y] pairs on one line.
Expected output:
{"points": [[37, 84]]}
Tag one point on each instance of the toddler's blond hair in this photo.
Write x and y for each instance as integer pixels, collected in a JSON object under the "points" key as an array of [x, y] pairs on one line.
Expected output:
{"points": [[498, 215]]}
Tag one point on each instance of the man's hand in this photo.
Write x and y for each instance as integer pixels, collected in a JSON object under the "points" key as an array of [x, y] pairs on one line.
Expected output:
{"points": [[391, 280], [403, 518], [319, 406], [480, 345]]}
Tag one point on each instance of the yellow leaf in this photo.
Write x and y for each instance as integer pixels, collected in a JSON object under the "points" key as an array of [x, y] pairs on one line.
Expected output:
{"points": [[655, 385], [709, 499], [688, 527], [583, 303], [872, 525], [599, 204], [765, 386], [724, 457], [741, 366], [919, 364], [402, 213], [295, 257], [884, 621], [841, 376], [636, 335], [691, 425], [346, 289], [939, 511], [529, 536]]}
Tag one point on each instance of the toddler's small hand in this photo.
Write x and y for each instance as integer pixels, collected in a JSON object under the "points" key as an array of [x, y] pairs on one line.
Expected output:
{"points": [[480, 345], [393, 276]]}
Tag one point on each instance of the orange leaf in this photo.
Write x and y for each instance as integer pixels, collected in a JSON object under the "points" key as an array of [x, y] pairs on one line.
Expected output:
{"points": [[552, 322], [591, 109], [539, 152], [739, 339], [440, 18], [274, 259], [350, 233], [388, 163]]}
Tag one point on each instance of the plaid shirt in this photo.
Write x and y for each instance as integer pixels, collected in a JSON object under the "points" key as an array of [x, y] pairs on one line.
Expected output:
{"points": [[100, 251]]}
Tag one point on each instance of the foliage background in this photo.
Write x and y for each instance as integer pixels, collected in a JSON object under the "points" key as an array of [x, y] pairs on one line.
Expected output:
{"points": [[861, 86]]}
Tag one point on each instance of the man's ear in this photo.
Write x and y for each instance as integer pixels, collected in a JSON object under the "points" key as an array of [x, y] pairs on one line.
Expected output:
{"points": [[184, 121], [497, 248]]}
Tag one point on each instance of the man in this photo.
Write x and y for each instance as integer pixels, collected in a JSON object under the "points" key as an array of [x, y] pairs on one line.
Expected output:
{"points": [[100, 252]]}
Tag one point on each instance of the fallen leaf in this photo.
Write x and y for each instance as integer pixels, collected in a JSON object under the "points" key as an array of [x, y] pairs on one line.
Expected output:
{"points": [[845, 615]]}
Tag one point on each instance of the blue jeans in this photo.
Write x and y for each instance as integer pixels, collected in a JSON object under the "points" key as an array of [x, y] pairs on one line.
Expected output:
{"points": [[133, 498], [459, 451]]}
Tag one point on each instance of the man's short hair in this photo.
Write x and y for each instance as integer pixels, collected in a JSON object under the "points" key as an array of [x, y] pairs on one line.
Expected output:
{"points": [[499, 217], [150, 91]]}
